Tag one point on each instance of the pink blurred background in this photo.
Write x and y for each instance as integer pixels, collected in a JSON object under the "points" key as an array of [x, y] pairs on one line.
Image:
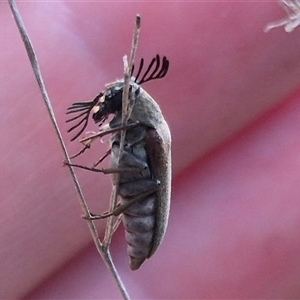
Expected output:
{"points": [[232, 100]]}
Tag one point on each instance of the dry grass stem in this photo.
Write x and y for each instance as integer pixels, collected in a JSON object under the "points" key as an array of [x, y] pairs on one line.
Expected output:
{"points": [[126, 111], [113, 222]]}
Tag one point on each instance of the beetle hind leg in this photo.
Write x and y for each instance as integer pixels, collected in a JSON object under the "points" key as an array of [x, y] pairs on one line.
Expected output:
{"points": [[146, 188]]}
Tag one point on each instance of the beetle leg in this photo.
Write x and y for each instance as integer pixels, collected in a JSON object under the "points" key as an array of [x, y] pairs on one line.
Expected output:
{"points": [[87, 141], [133, 189], [130, 160], [120, 209], [87, 146], [104, 171], [108, 131], [123, 207], [102, 158]]}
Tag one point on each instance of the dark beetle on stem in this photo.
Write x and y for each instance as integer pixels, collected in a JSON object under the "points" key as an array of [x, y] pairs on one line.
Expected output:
{"points": [[144, 191]]}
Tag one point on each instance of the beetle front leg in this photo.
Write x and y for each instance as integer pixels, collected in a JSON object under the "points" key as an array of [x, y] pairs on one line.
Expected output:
{"points": [[109, 131], [87, 141]]}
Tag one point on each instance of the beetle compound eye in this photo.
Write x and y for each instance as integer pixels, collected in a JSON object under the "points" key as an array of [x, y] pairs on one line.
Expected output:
{"points": [[83, 109], [114, 103]]}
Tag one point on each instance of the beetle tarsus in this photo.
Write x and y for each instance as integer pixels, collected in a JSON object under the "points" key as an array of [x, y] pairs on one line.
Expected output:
{"points": [[92, 217]]}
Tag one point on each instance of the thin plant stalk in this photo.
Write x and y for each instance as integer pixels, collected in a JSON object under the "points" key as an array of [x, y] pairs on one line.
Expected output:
{"points": [[103, 251], [112, 222]]}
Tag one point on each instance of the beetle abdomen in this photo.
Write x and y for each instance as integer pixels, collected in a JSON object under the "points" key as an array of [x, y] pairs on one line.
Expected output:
{"points": [[139, 219], [139, 222]]}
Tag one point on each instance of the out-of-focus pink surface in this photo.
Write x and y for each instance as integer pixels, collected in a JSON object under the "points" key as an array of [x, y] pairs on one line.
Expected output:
{"points": [[232, 101]]}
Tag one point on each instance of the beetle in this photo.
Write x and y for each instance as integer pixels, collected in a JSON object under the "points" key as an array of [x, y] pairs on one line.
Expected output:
{"points": [[144, 191]]}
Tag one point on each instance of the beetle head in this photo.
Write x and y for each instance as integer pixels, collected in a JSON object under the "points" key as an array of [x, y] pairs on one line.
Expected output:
{"points": [[110, 101]]}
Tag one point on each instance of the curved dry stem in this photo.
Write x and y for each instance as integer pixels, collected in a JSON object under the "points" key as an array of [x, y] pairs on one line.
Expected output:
{"points": [[103, 251]]}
